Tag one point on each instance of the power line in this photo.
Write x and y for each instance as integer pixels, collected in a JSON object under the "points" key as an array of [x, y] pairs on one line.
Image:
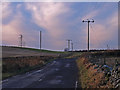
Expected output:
{"points": [[91, 27], [94, 35], [108, 47]]}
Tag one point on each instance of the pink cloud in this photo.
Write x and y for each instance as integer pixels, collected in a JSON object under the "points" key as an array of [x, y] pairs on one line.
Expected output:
{"points": [[103, 33], [11, 31], [6, 10], [46, 16], [91, 15], [16, 26]]}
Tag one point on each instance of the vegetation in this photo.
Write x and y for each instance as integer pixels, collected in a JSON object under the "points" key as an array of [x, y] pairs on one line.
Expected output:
{"points": [[91, 72], [17, 65], [74, 55], [107, 53], [34, 49], [90, 76]]}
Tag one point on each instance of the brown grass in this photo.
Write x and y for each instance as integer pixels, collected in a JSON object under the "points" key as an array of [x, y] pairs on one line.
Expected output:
{"points": [[90, 77], [16, 65]]}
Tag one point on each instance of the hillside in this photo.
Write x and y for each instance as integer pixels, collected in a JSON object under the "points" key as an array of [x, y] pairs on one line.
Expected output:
{"points": [[18, 52]]}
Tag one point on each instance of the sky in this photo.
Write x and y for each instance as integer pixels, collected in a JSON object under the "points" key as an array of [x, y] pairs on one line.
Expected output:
{"points": [[58, 22]]}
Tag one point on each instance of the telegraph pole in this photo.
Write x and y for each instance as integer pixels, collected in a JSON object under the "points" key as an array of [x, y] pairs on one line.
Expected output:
{"points": [[69, 43], [72, 46], [40, 39], [88, 21], [21, 37], [108, 47]]}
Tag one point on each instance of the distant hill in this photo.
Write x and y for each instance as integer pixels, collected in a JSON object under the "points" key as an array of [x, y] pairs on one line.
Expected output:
{"points": [[9, 51]]}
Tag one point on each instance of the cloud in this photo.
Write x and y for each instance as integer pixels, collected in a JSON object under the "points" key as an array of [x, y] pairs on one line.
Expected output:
{"points": [[48, 16], [18, 6], [11, 31], [100, 9], [105, 33], [17, 25], [91, 15], [6, 10], [113, 20]]}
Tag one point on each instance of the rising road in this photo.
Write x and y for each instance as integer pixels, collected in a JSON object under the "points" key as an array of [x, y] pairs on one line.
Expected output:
{"points": [[61, 73]]}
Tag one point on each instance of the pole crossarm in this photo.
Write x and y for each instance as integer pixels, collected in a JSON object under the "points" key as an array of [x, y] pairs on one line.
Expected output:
{"points": [[88, 21]]}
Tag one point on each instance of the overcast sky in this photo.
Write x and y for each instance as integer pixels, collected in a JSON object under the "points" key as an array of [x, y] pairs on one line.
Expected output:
{"points": [[59, 22]]}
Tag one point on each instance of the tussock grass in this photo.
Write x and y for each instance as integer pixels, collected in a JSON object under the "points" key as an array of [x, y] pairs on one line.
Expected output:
{"points": [[18, 65], [90, 77]]}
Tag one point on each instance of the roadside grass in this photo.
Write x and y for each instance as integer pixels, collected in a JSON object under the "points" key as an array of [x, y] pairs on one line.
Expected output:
{"points": [[20, 65], [107, 53], [74, 55], [12, 66], [22, 71], [16, 67], [90, 77]]}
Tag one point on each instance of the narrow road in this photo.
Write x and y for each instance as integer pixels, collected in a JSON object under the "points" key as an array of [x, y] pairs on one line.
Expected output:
{"points": [[61, 73]]}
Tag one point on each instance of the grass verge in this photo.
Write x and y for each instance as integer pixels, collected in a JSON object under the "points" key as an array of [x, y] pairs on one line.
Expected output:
{"points": [[12, 67], [89, 76]]}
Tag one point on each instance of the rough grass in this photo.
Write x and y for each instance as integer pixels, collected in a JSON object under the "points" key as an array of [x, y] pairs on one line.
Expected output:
{"points": [[18, 65], [34, 49], [89, 77], [74, 54]]}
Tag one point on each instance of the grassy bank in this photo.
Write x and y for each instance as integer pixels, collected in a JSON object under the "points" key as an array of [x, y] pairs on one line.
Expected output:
{"points": [[18, 65], [34, 49], [91, 76]]}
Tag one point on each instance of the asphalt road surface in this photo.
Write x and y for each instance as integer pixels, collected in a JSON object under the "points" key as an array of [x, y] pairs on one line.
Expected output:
{"points": [[61, 73]]}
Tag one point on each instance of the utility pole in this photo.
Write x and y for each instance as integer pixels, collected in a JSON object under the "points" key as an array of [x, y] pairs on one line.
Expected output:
{"points": [[40, 39], [72, 46], [69, 44], [108, 47], [21, 40], [88, 21]]}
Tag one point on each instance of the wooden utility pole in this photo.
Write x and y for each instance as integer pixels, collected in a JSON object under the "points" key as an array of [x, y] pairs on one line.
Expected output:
{"points": [[72, 46], [88, 21], [69, 44], [40, 39], [21, 40]]}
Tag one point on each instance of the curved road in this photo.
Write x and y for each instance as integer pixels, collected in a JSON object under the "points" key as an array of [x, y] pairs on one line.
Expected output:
{"points": [[61, 73]]}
